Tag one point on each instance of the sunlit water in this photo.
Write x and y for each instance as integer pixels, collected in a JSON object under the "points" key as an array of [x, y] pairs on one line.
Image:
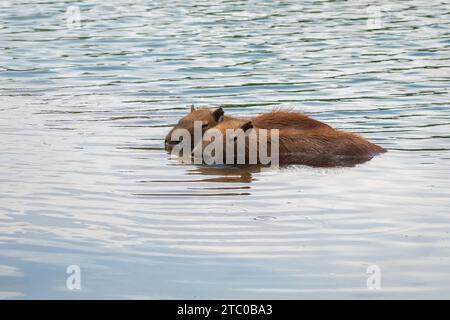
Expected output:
{"points": [[84, 178]]}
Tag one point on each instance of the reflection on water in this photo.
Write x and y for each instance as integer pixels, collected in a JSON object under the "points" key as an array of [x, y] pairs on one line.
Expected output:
{"points": [[242, 174], [85, 180], [236, 174]]}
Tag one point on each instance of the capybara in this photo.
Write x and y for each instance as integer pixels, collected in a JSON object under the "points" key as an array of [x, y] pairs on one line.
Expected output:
{"points": [[276, 119], [320, 146], [279, 119], [208, 117]]}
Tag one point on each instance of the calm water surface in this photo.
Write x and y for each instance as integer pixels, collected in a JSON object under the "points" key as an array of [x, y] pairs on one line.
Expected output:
{"points": [[84, 178]]}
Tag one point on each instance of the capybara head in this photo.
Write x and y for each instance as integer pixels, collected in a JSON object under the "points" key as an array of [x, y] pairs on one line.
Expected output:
{"points": [[227, 134], [208, 118]]}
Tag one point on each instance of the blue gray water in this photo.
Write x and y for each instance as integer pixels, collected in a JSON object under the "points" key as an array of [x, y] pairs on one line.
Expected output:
{"points": [[84, 179]]}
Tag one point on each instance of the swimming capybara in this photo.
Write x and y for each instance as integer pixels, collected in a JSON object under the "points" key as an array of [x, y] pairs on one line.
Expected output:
{"points": [[320, 146], [276, 119], [208, 117]]}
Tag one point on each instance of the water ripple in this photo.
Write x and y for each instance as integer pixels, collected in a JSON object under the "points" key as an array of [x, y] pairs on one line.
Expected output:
{"points": [[85, 180]]}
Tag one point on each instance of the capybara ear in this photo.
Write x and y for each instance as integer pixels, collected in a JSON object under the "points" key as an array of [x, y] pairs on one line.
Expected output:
{"points": [[192, 108], [247, 126], [218, 114]]}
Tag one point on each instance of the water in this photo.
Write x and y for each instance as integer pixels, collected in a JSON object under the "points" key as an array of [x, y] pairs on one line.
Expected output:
{"points": [[85, 180]]}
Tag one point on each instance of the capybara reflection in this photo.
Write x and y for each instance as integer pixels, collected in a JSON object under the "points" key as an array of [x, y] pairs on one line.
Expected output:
{"points": [[319, 146]]}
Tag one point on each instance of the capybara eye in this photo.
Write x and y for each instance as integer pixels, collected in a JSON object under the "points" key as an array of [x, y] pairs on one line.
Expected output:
{"points": [[204, 124]]}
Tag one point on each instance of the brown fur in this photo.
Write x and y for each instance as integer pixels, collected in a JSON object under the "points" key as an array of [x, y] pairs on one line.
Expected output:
{"points": [[320, 146], [279, 119], [276, 119]]}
